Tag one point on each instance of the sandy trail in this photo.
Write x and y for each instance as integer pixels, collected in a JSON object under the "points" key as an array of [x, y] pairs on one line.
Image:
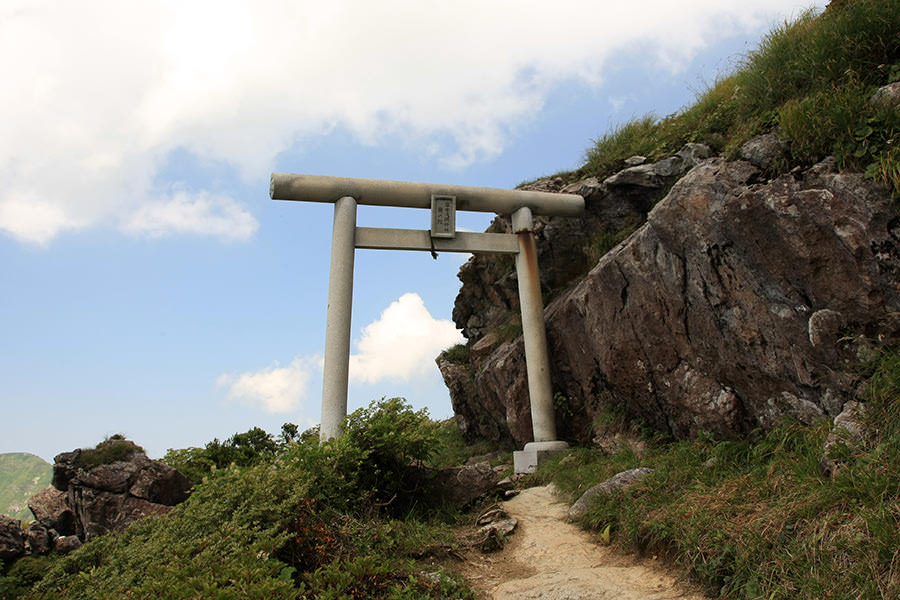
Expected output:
{"points": [[551, 559]]}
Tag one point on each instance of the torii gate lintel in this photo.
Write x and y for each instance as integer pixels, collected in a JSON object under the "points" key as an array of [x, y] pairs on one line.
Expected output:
{"points": [[347, 193]]}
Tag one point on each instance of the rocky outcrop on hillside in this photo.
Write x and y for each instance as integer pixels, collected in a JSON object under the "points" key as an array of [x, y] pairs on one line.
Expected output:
{"points": [[738, 302], [90, 499], [109, 497]]}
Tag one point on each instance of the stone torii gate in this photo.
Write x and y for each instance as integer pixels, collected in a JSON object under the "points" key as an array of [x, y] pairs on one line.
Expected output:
{"points": [[444, 201]]}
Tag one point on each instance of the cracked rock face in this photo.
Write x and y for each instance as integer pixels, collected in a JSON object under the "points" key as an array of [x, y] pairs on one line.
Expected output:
{"points": [[736, 304]]}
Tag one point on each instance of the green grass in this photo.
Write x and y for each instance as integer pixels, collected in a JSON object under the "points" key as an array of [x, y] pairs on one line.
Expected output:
{"points": [[21, 476], [757, 518], [453, 449], [458, 354], [810, 80]]}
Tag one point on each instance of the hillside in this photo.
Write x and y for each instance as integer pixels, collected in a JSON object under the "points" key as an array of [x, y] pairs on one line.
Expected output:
{"points": [[21, 477]]}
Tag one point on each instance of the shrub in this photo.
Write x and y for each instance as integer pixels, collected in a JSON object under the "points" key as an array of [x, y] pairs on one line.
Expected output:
{"points": [[24, 573], [113, 449], [242, 449]]}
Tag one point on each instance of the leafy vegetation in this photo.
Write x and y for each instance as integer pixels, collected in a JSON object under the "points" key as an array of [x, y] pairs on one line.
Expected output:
{"points": [[810, 80], [307, 521], [24, 573], [242, 449], [458, 354], [112, 449], [758, 518], [21, 476]]}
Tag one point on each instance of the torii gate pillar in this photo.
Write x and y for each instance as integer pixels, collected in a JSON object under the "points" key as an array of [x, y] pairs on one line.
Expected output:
{"points": [[346, 193], [336, 371], [537, 362]]}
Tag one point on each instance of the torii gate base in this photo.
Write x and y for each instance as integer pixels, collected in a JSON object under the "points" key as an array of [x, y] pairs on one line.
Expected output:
{"points": [[346, 237]]}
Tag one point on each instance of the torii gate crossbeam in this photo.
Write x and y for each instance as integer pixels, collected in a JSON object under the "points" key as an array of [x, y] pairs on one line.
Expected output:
{"points": [[347, 193]]}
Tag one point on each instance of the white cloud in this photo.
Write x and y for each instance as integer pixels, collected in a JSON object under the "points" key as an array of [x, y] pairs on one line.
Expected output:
{"points": [[403, 343], [201, 213], [97, 94], [275, 389]]}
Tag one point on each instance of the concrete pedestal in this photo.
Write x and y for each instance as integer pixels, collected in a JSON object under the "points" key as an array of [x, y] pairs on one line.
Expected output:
{"points": [[534, 453]]}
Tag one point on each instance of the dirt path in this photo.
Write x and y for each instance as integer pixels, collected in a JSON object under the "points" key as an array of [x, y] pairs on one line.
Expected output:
{"points": [[551, 559]]}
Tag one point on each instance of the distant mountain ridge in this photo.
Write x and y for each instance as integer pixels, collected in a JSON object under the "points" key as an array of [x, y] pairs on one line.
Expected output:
{"points": [[22, 475]]}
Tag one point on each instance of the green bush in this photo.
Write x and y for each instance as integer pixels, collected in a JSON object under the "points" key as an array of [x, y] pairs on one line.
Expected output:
{"points": [[242, 449]]}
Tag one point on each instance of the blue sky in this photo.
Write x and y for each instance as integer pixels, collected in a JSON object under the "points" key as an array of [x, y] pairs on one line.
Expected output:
{"points": [[150, 287]]}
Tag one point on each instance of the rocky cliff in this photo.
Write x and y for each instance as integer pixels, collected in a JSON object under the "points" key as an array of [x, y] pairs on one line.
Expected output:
{"points": [[737, 300]]}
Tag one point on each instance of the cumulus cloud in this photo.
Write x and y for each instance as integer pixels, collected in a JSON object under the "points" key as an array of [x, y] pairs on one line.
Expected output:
{"points": [[274, 389], [97, 94], [403, 343]]}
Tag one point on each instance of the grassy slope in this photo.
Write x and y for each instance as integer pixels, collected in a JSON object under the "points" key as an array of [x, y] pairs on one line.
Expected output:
{"points": [[21, 477], [810, 81]]}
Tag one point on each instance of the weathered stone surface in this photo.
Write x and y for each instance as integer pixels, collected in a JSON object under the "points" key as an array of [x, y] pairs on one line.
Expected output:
{"points": [[619, 481], [98, 512], [68, 543], [462, 485], [736, 304], [49, 507], [161, 484], [848, 429], [38, 539], [888, 95], [489, 295], [12, 541], [763, 150]]}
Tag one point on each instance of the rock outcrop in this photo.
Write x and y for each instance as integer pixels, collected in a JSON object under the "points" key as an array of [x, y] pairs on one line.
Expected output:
{"points": [[738, 302], [92, 497], [109, 497]]}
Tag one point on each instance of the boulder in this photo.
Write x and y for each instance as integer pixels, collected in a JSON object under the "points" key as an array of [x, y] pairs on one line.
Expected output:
{"points": [[888, 95], [39, 539], [67, 543], [762, 151], [488, 300], [619, 481], [462, 485], [49, 508]]}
